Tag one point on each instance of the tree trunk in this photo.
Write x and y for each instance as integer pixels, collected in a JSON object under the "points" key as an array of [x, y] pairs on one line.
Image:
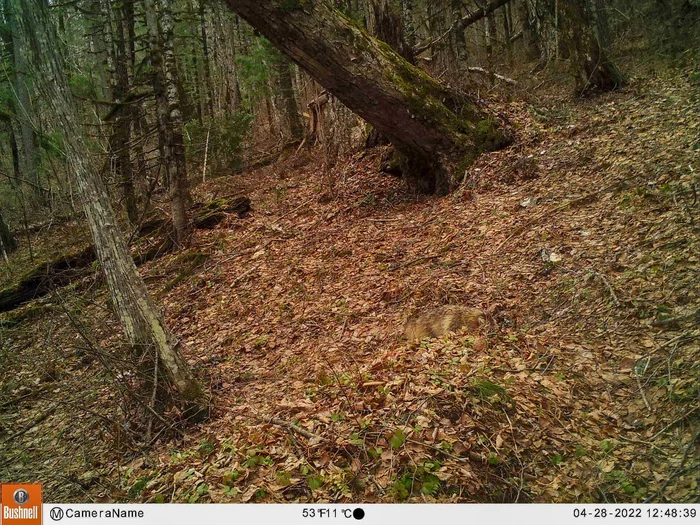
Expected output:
{"points": [[438, 132], [120, 142], [286, 89], [590, 66], [490, 37], [508, 33], [165, 84], [21, 101], [386, 23], [206, 61], [602, 24], [141, 320], [529, 20], [7, 241]]}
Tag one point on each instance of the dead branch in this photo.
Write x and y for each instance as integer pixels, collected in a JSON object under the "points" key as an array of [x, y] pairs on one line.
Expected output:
{"points": [[294, 428], [481, 70]]}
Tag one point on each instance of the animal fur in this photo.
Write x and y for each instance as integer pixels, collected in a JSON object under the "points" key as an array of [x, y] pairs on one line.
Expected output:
{"points": [[440, 321]]}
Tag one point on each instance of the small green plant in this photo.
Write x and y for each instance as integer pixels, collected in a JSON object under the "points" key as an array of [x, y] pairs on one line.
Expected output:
{"points": [[556, 459], [315, 481], [255, 459], [206, 448], [607, 446], [489, 391], [398, 439], [137, 488], [284, 478], [230, 478]]}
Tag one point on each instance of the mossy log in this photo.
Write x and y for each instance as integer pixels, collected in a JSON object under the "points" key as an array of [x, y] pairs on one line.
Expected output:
{"points": [[207, 215], [67, 268], [45, 277]]}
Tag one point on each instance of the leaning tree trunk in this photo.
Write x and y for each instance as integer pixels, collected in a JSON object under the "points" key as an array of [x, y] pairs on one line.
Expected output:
{"points": [[438, 132], [590, 66], [141, 320]]}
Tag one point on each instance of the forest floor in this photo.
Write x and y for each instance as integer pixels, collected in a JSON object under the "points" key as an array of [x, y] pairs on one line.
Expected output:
{"points": [[582, 240]]}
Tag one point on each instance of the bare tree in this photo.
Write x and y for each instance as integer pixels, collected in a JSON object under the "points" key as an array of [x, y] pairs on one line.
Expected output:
{"points": [[15, 40], [142, 322], [165, 83]]}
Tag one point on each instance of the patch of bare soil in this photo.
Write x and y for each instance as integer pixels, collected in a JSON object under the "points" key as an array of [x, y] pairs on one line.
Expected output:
{"points": [[582, 243]]}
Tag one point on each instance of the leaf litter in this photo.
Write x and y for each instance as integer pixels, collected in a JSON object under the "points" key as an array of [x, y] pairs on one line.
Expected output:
{"points": [[581, 241]]}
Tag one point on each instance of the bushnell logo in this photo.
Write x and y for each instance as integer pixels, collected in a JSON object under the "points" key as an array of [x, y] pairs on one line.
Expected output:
{"points": [[21, 504], [20, 496]]}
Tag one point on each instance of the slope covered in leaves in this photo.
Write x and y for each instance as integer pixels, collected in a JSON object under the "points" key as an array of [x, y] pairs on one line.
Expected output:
{"points": [[582, 242]]}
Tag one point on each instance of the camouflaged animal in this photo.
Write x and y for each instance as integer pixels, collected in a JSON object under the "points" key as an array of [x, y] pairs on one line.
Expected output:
{"points": [[442, 320]]}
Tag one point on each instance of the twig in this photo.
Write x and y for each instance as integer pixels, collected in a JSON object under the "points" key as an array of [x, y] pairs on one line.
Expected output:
{"points": [[675, 421], [39, 419], [206, 151], [673, 320], [679, 469], [17, 399], [609, 287], [562, 206], [411, 292], [641, 389], [244, 274], [293, 428], [413, 261], [295, 209], [475, 69]]}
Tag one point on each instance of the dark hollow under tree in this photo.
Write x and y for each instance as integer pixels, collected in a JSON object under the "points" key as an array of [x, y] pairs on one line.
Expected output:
{"points": [[437, 132]]}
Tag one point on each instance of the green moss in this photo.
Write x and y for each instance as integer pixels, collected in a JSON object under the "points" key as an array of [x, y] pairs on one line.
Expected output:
{"points": [[29, 313], [191, 261], [489, 137]]}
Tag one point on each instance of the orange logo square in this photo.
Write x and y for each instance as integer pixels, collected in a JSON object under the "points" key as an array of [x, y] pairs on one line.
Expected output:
{"points": [[21, 504]]}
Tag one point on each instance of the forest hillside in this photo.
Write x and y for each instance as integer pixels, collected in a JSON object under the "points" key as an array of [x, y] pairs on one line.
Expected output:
{"points": [[281, 291]]}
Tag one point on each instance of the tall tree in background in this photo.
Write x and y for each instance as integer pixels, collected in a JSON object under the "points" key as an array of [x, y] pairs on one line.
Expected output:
{"points": [[385, 21], [14, 41], [170, 126], [590, 65], [286, 90], [119, 31], [142, 322], [436, 131]]}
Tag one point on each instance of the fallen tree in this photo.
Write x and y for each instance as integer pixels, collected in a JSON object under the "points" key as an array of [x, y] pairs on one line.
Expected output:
{"points": [[437, 132], [67, 268]]}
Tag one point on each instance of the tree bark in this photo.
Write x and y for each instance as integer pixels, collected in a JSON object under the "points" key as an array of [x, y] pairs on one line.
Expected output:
{"points": [[289, 102], [120, 142], [386, 23], [206, 61], [165, 82], [141, 320], [590, 66], [14, 40], [529, 20], [7, 241], [437, 132]]}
